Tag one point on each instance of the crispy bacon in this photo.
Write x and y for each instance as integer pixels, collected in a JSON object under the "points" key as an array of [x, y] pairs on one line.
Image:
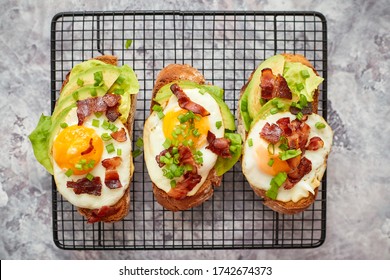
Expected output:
{"points": [[302, 169], [299, 136], [183, 187], [315, 143], [119, 135], [273, 86], [98, 214], [283, 123], [186, 157], [83, 185], [219, 146], [186, 103], [89, 149], [109, 103], [112, 176], [111, 99], [271, 133]]}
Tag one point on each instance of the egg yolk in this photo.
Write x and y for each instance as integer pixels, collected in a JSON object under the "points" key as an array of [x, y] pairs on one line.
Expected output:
{"points": [[263, 159], [195, 131], [77, 148]]}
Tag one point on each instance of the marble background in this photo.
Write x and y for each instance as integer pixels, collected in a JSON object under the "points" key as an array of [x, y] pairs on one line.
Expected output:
{"points": [[358, 225]]}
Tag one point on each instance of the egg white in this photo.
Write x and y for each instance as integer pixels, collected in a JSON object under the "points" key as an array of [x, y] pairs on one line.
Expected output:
{"points": [[154, 138], [108, 196], [310, 181]]}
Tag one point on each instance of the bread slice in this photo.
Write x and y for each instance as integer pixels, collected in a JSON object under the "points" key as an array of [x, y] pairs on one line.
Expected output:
{"points": [[289, 207], [123, 205], [171, 73]]}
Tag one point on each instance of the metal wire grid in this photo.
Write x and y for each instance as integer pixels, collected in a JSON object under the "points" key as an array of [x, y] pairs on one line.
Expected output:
{"points": [[225, 47]]}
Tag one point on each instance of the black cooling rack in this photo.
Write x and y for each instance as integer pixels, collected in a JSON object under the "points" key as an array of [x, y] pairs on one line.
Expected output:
{"points": [[225, 47]]}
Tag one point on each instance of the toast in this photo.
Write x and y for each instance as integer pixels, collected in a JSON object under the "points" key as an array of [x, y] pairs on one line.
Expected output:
{"points": [[86, 142], [283, 207], [169, 74], [121, 208]]}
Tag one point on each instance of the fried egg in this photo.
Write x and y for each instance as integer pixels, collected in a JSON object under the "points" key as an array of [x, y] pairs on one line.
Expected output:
{"points": [[68, 158], [157, 130], [256, 156]]}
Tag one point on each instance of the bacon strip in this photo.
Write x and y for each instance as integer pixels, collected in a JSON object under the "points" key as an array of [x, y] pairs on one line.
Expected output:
{"points": [[89, 149], [112, 177], [315, 143], [108, 103], [83, 185], [273, 86], [98, 214], [284, 123], [186, 103], [219, 146], [299, 136], [302, 169], [185, 186], [271, 133], [119, 135]]}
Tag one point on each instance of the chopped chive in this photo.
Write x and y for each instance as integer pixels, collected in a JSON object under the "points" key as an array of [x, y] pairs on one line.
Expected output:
{"points": [[93, 92], [63, 125], [173, 183], [280, 105], [119, 91], [78, 166], [98, 114], [167, 143], [80, 82], [112, 127], [75, 95], [305, 74], [118, 152], [196, 132], [83, 161], [160, 115], [89, 176], [202, 91], [299, 86], [175, 150], [98, 76], [157, 108], [271, 149], [218, 124], [110, 148], [262, 101], [190, 142], [105, 124], [285, 155], [136, 153], [128, 43], [91, 164], [302, 101], [320, 125], [233, 148], [299, 116], [140, 142], [69, 172], [271, 162], [106, 137], [250, 142], [95, 122], [120, 80], [273, 111]]}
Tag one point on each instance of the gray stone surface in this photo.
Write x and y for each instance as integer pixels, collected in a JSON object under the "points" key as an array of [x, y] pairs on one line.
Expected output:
{"points": [[358, 216]]}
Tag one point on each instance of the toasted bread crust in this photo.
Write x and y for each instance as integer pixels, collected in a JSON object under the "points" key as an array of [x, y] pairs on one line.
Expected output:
{"points": [[289, 207], [123, 205], [176, 72]]}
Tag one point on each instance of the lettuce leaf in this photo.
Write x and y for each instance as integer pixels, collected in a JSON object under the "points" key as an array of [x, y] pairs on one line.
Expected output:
{"points": [[39, 139]]}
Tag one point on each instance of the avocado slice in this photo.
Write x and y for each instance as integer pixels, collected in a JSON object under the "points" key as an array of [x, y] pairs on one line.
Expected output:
{"points": [[82, 93], [110, 75], [225, 164], [216, 92], [250, 100]]}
